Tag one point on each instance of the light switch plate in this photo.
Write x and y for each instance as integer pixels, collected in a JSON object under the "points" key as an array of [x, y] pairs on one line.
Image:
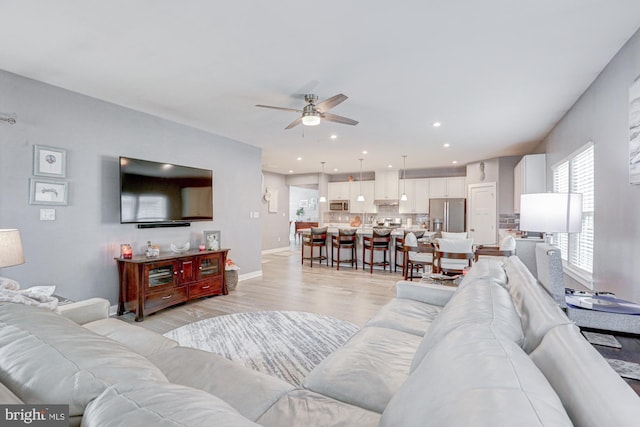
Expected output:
{"points": [[47, 214]]}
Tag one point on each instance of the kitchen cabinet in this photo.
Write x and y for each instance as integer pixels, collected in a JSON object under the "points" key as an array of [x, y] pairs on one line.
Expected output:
{"points": [[529, 176], [386, 185], [368, 191], [448, 187], [338, 190], [417, 191]]}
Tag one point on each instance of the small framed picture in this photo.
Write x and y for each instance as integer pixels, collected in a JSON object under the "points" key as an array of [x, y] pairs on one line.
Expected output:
{"points": [[49, 161], [44, 192], [212, 240], [304, 203]]}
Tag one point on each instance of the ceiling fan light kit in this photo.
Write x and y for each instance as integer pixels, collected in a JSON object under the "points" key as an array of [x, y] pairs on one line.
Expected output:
{"points": [[313, 114]]}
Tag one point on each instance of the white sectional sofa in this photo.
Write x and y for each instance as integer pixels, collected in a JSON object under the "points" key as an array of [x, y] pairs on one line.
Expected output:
{"points": [[495, 351]]}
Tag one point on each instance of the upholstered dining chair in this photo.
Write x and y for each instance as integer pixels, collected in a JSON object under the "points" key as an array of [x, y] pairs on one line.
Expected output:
{"points": [[317, 238], [377, 242], [417, 257], [399, 248], [452, 256], [345, 239]]}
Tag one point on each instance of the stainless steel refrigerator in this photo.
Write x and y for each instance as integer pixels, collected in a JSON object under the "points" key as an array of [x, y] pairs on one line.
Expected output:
{"points": [[448, 215]]}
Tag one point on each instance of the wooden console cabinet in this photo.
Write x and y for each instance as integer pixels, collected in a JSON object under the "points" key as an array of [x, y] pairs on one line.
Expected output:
{"points": [[151, 284]]}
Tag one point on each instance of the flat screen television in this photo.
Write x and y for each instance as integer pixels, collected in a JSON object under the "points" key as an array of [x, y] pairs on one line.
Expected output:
{"points": [[153, 192]]}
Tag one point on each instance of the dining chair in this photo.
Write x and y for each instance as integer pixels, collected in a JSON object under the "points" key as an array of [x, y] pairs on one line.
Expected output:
{"points": [[418, 256], [453, 256]]}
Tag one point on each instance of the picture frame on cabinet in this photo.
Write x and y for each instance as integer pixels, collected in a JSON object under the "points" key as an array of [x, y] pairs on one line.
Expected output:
{"points": [[212, 240], [45, 192], [49, 161]]}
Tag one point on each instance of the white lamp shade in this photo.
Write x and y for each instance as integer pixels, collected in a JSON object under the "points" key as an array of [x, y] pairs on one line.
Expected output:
{"points": [[322, 199], [551, 212], [10, 248]]}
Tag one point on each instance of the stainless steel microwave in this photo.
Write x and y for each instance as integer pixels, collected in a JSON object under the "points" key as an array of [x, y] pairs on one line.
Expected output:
{"points": [[339, 206]]}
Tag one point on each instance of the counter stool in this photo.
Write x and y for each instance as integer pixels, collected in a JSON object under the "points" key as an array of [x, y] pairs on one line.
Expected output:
{"points": [[399, 247], [345, 239], [378, 242], [317, 238]]}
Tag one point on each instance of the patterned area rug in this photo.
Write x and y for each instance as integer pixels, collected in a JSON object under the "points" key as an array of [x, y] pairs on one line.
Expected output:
{"points": [[625, 369], [285, 344]]}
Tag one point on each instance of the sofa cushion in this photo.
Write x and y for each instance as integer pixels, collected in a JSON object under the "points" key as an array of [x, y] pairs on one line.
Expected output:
{"points": [[47, 358], [160, 404], [406, 315], [473, 378], [538, 311], [141, 340], [481, 302], [485, 268], [249, 392], [584, 381], [306, 408], [367, 370], [427, 293]]}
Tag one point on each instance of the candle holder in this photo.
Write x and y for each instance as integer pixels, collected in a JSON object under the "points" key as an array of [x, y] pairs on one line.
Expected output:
{"points": [[125, 251]]}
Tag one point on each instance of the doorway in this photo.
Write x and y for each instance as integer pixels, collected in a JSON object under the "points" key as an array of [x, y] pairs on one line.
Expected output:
{"points": [[483, 208]]}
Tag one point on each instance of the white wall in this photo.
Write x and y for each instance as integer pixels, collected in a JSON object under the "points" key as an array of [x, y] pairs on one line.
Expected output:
{"points": [[601, 115], [275, 225], [75, 252]]}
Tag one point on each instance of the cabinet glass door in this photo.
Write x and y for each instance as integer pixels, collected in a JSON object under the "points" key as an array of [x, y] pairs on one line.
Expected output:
{"points": [[160, 275], [209, 266]]}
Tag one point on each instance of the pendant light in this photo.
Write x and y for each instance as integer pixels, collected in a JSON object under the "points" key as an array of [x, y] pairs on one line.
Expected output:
{"points": [[322, 199], [403, 198], [361, 196]]}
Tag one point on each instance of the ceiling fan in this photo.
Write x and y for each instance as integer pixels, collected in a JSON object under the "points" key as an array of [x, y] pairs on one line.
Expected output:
{"points": [[312, 112]]}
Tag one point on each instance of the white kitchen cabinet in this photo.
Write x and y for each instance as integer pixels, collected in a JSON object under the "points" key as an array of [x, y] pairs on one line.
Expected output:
{"points": [[448, 188], [417, 195], [529, 176], [386, 185], [368, 192], [338, 190]]}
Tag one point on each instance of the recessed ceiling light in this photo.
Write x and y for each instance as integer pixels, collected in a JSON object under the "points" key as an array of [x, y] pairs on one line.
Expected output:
{"points": [[290, 170], [389, 166], [299, 158], [333, 136], [364, 152], [455, 162], [436, 124], [446, 145], [335, 169]]}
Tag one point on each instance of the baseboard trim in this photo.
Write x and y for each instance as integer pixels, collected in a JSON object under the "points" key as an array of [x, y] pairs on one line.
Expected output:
{"points": [[248, 276], [271, 251]]}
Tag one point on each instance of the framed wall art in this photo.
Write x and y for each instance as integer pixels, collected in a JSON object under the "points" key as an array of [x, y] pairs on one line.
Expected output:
{"points": [[634, 132], [44, 192], [49, 161]]}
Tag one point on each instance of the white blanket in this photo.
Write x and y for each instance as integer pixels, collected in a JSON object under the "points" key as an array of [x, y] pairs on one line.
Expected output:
{"points": [[10, 292]]}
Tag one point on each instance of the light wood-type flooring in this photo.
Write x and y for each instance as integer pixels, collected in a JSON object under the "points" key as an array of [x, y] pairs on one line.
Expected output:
{"points": [[348, 294]]}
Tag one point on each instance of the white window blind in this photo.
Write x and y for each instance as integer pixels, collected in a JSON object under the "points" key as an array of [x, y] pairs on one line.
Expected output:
{"points": [[576, 175]]}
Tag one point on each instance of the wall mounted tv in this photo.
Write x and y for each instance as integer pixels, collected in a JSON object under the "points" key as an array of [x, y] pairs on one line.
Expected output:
{"points": [[163, 193]]}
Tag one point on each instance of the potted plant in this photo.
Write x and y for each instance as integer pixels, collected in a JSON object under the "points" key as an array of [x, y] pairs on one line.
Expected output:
{"points": [[299, 213]]}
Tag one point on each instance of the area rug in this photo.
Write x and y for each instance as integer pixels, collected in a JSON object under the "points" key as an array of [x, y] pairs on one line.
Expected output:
{"points": [[625, 369], [285, 344], [602, 339]]}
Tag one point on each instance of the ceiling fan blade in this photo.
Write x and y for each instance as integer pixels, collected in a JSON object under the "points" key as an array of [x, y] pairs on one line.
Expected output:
{"points": [[294, 123], [329, 103], [278, 108], [338, 119]]}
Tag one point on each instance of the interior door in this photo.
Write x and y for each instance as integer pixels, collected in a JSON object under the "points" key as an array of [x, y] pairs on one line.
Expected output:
{"points": [[483, 206]]}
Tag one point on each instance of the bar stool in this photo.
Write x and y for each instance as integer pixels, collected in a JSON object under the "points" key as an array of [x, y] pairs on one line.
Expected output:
{"points": [[317, 238], [345, 239], [399, 247], [378, 242]]}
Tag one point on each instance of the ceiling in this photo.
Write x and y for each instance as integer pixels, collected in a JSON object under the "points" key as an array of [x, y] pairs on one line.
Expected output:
{"points": [[497, 74]]}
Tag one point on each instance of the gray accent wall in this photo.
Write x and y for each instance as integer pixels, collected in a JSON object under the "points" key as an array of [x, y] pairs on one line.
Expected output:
{"points": [[601, 115], [76, 251]]}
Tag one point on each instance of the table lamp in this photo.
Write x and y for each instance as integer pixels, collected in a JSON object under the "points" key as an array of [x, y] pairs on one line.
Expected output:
{"points": [[551, 213], [10, 248]]}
